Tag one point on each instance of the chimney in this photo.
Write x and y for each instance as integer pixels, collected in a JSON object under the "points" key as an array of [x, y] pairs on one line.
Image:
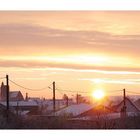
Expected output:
{"points": [[26, 98]]}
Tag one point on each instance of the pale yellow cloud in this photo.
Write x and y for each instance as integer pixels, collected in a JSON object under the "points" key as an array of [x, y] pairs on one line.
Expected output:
{"points": [[118, 22], [37, 48]]}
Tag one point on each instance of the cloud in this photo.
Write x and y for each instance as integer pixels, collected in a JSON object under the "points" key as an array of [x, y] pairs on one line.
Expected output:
{"points": [[36, 38], [68, 66], [112, 81], [28, 39], [27, 34]]}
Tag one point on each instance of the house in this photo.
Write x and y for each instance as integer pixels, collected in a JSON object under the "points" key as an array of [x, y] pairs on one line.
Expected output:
{"points": [[13, 95], [74, 110], [98, 110], [130, 106], [47, 105], [21, 107], [16, 96], [8, 119], [137, 103], [3, 92]]}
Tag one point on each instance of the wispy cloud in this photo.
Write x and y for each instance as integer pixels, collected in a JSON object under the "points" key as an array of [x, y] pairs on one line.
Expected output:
{"points": [[65, 66], [29, 39], [78, 48], [36, 38], [113, 81]]}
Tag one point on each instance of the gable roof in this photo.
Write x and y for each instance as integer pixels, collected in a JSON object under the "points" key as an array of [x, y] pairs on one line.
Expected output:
{"points": [[74, 110], [14, 94], [99, 109], [130, 106], [137, 103], [20, 103]]}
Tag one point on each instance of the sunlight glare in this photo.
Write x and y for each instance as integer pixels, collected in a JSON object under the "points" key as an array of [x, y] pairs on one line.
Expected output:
{"points": [[98, 94]]}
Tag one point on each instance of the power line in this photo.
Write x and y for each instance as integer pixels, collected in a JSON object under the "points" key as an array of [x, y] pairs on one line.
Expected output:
{"points": [[28, 88], [71, 91], [65, 90], [113, 90], [50, 87], [133, 92], [85, 91], [61, 90]]}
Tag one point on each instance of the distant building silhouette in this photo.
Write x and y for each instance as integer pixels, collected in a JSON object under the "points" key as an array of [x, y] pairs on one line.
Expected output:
{"points": [[26, 98], [3, 92], [13, 95]]}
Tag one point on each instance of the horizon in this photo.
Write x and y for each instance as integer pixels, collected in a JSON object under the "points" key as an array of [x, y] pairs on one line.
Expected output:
{"points": [[79, 50]]}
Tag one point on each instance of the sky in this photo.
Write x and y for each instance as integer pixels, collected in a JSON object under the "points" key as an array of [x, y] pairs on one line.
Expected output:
{"points": [[79, 50]]}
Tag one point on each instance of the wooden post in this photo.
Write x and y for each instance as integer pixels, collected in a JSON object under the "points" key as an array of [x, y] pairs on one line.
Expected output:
{"points": [[124, 100], [54, 96], [7, 98], [124, 97], [7, 92], [67, 101], [77, 98]]}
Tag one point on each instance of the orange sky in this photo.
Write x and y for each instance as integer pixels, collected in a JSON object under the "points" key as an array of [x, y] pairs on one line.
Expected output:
{"points": [[80, 50]]}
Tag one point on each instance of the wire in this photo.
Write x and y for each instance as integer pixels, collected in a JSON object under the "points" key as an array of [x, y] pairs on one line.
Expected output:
{"points": [[71, 91], [28, 88], [85, 91], [49, 87], [113, 90], [133, 92], [61, 90]]}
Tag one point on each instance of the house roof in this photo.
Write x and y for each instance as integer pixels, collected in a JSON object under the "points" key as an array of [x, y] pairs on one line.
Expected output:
{"points": [[137, 103], [14, 94], [20, 103], [74, 109], [130, 106], [99, 109], [106, 116]]}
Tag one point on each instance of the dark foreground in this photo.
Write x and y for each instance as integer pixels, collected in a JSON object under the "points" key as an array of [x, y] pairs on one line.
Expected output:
{"points": [[66, 123]]}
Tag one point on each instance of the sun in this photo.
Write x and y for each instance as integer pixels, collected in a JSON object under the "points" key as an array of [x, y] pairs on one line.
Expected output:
{"points": [[98, 94]]}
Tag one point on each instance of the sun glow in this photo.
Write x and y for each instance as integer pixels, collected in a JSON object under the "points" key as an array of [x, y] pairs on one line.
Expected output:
{"points": [[98, 94]]}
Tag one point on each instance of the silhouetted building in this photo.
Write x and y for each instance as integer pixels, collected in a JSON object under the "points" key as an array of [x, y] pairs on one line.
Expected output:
{"points": [[26, 98], [22, 107], [16, 96], [3, 92], [130, 106], [13, 95]]}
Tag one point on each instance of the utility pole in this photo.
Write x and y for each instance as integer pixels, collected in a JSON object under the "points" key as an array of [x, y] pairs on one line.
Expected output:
{"points": [[7, 92], [67, 101], [54, 96], [124, 102], [7, 98], [124, 95], [77, 98], [124, 115]]}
